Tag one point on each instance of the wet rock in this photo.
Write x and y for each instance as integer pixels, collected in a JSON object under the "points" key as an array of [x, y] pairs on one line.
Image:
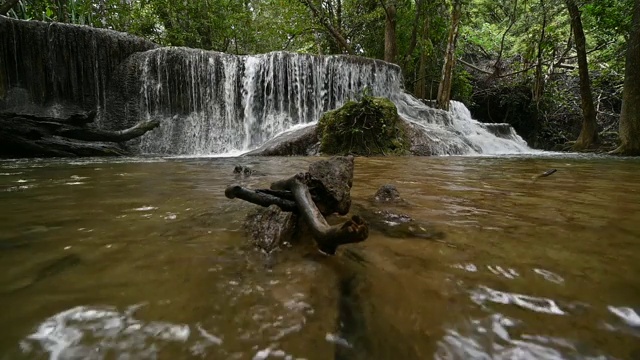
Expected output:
{"points": [[500, 130], [270, 228], [394, 223], [330, 184], [424, 144], [367, 127], [59, 70], [301, 142], [244, 171], [387, 193]]}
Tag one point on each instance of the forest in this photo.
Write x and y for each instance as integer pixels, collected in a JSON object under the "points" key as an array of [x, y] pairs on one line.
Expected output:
{"points": [[565, 74]]}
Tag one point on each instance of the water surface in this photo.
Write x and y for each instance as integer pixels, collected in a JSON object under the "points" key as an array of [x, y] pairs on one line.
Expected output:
{"points": [[146, 258]]}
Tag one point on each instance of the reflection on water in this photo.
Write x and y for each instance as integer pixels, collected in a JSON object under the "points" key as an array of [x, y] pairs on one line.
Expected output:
{"points": [[144, 258]]}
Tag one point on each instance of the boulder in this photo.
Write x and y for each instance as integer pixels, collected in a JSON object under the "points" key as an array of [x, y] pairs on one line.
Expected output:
{"points": [[387, 193], [300, 142], [367, 127], [330, 184]]}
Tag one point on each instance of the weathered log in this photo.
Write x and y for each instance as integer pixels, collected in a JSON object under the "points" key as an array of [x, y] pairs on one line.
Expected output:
{"points": [[259, 198], [327, 237], [544, 174], [88, 134], [29, 135]]}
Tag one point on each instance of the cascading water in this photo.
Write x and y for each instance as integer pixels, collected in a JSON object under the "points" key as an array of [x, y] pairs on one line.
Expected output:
{"points": [[503, 140], [212, 103]]}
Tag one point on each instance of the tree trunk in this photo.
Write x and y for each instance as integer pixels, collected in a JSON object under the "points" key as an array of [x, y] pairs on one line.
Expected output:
{"points": [[390, 39], [420, 88], [630, 113], [538, 84], [444, 89], [413, 41], [8, 5], [497, 66], [588, 134]]}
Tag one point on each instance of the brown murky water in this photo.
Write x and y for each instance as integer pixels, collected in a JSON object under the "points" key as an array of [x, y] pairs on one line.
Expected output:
{"points": [[145, 259]]}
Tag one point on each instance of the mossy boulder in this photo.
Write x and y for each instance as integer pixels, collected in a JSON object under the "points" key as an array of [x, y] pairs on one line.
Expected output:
{"points": [[367, 127]]}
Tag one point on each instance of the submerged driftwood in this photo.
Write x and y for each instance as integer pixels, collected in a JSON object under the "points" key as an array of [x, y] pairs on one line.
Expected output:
{"points": [[38, 136], [323, 190]]}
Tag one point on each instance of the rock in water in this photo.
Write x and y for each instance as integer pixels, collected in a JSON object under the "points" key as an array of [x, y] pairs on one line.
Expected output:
{"points": [[387, 193], [323, 190], [301, 142], [269, 228], [330, 184]]}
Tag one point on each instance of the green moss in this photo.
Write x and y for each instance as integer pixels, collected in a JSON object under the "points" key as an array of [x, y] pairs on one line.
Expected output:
{"points": [[368, 127]]}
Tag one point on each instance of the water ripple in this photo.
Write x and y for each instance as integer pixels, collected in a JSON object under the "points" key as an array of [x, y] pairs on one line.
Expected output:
{"points": [[90, 332], [549, 276], [497, 337], [628, 315], [538, 304]]}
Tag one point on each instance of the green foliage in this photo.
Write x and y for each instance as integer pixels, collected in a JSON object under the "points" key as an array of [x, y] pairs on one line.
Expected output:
{"points": [[367, 127], [259, 26], [461, 88]]}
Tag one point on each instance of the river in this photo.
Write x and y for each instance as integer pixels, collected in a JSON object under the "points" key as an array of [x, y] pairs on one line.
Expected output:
{"points": [[144, 258]]}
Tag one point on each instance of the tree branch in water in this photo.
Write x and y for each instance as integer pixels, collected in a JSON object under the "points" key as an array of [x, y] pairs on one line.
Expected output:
{"points": [[328, 237], [259, 198]]}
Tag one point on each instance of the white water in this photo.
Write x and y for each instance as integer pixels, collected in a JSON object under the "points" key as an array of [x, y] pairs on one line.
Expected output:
{"points": [[212, 104]]}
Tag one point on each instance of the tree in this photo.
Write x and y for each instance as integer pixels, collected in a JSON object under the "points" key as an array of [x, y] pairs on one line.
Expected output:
{"points": [[444, 89], [390, 40], [7, 5], [589, 133], [630, 113], [320, 14]]}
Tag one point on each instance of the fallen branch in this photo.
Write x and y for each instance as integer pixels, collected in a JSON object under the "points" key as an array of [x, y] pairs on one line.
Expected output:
{"points": [[38, 136], [87, 134], [327, 237], [544, 174], [259, 198]]}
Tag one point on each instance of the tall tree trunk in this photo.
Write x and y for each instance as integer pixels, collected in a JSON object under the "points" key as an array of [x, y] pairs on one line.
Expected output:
{"points": [[630, 113], [420, 88], [413, 40], [538, 84], [62, 16], [497, 66], [589, 133], [444, 89], [390, 40], [7, 5]]}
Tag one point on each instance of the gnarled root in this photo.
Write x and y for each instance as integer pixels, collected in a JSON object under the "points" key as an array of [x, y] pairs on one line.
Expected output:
{"points": [[327, 237], [259, 198]]}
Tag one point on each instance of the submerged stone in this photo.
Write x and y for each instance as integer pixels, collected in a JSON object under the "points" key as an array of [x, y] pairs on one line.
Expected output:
{"points": [[387, 193]]}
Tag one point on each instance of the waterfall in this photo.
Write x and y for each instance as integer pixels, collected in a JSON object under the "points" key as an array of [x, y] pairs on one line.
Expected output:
{"points": [[214, 103], [211, 103]]}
